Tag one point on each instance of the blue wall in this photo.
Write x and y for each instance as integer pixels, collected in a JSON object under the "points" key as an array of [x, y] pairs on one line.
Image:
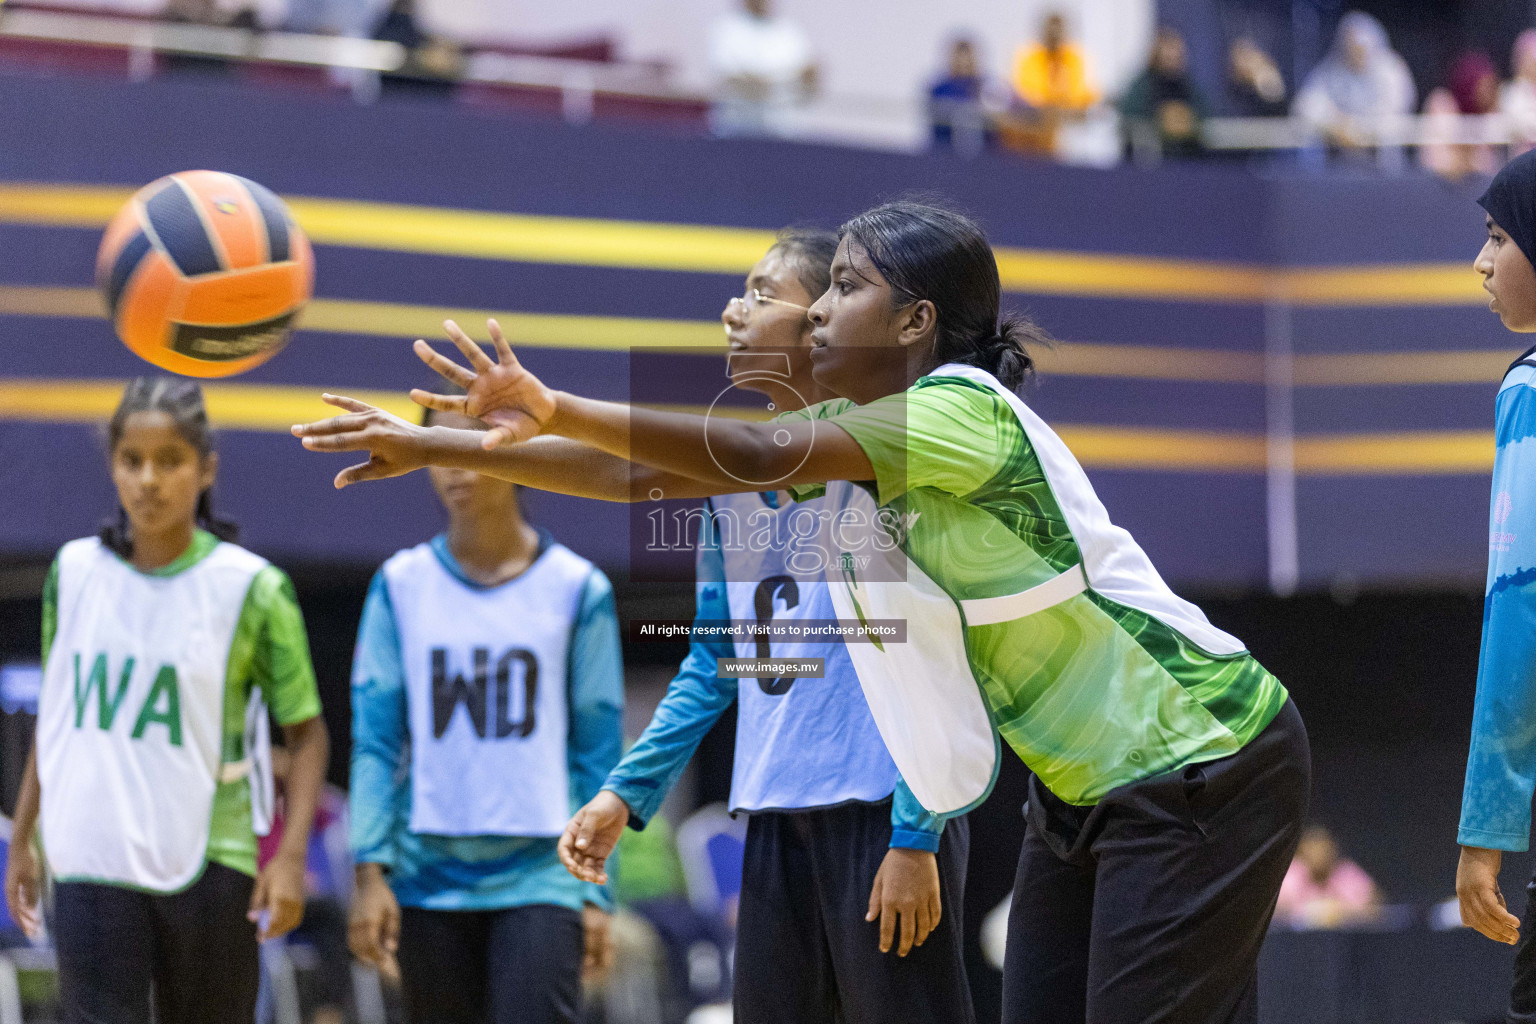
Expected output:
{"points": [[1203, 526]]}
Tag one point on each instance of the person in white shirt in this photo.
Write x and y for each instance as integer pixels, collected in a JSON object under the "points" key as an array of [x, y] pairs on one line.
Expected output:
{"points": [[763, 64]]}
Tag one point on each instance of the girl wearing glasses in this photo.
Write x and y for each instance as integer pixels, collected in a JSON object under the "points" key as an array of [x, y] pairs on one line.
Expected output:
{"points": [[1171, 771], [851, 890]]}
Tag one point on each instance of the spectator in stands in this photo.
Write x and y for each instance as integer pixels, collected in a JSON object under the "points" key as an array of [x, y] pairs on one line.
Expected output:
{"points": [[432, 64], [1517, 97], [1323, 888], [1255, 87], [1051, 81], [764, 66], [1472, 88], [957, 104], [1162, 109], [1360, 82]]}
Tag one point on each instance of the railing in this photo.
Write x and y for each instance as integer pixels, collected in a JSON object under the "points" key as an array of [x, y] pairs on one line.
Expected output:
{"points": [[897, 123], [579, 82]]}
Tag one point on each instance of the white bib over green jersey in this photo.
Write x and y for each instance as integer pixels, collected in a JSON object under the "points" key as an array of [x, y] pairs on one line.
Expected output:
{"points": [[1088, 665], [131, 714]]}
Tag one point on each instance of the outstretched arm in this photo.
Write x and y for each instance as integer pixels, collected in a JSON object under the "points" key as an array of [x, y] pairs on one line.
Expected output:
{"points": [[396, 446], [610, 450], [750, 455]]}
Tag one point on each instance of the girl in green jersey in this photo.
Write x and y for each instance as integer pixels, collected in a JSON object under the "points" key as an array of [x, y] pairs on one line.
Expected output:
{"points": [[1171, 770], [147, 776]]}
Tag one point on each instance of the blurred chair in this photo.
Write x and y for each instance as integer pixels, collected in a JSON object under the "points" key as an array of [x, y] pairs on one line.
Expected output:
{"points": [[711, 845]]}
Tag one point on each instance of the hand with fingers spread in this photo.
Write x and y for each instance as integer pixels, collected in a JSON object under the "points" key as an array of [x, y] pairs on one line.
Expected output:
{"points": [[394, 446], [591, 835], [513, 402], [906, 889], [1482, 904]]}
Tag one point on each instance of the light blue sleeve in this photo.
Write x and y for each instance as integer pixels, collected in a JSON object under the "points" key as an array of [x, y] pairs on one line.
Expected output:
{"points": [[379, 730], [1501, 764], [913, 826], [596, 679], [694, 702]]}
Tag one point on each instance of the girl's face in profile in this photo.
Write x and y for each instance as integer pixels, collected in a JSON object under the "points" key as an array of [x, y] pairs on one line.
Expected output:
{"points": [[1508, 279], [158, 473]]}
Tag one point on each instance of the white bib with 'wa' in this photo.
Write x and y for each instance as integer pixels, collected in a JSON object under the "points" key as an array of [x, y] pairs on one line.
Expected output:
{"points": [[486, 693], [130, 717]]}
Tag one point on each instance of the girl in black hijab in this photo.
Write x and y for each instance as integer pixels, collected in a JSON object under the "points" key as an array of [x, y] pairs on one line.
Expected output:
{"points": [[1501, 765]]}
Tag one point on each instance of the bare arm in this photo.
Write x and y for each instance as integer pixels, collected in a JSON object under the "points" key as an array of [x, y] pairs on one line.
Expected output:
{"points": [[557, 464], [731, 455], [279, 890], [606, 450], [28, 802], [23, 870]]}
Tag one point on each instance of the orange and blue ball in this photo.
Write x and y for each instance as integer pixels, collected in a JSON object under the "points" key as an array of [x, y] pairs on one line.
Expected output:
{"points": [[204, 273]]}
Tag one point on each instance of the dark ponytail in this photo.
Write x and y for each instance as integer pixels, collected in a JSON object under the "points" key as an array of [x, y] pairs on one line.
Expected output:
{"points": [[182, 401], [928, 252]]}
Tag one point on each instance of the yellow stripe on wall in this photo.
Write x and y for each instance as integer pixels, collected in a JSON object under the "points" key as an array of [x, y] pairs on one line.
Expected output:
{"points": [[1414, 453], [579, 241], [230, 406], [274, 408], [609, 333]]}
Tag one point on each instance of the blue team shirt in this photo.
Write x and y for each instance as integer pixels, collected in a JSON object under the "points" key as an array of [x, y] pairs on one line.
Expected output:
{"points": [[695, 700], [1501, 765], [476, 872]]}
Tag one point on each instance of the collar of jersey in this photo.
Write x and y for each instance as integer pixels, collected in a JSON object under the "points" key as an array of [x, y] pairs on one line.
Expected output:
{"points": [[202, 544], [439, 545]]}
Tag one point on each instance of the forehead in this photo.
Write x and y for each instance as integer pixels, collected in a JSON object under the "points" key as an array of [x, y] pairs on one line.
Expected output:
{"points": [[151, 428], [852, 258], [774, 266]]}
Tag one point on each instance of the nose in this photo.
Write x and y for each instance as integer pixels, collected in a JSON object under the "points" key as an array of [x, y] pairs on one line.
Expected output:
{"points": [[817, 314], [734, 313], [1483, 264]]}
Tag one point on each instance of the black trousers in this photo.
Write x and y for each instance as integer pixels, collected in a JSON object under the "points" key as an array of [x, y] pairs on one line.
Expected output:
{"points": [[194, 950], [805, 954], [1151, 905], [521, 965], [1522, 995]]}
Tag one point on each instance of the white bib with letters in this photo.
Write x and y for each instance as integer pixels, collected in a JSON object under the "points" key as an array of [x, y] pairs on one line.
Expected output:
{"points": [[130, 716], [486, 686]]}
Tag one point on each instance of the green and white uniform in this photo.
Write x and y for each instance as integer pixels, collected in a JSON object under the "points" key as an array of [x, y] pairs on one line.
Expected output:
{"points": [[151, 719], [1085, 662]]}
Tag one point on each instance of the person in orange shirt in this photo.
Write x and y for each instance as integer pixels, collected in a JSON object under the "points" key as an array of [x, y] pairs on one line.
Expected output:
{"points": [[1052, 74], [1050, 77]]}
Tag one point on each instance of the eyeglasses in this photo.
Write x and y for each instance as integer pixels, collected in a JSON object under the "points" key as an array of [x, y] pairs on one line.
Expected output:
{"points": [[754, 298]]}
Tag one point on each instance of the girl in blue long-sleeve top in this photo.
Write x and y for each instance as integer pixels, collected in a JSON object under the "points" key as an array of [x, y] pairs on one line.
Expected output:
{"points": [[1501, 765], [487, 694]]}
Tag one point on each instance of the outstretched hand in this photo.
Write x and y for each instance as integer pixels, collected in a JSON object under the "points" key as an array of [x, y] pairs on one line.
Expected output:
{"points": [[511, 401], [394, 446]]}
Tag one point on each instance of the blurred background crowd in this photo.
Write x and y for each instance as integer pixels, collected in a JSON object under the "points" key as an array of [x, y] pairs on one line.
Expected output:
{"points": [[1451, 87]]}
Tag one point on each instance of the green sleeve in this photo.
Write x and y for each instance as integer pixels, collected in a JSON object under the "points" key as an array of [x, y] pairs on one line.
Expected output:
{"points": [[952, 436], [50, 609], [280, 662], [820, 411]]}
